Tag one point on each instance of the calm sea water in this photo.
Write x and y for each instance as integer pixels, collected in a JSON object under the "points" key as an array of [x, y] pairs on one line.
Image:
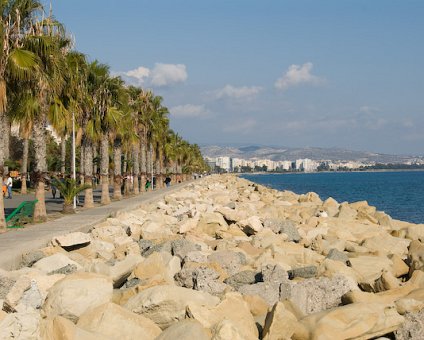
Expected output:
{"points": [[399, 194]]}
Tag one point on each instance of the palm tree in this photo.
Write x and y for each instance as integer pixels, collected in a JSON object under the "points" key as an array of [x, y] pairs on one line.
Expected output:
{"points": [[16, 62], [69, 189]]}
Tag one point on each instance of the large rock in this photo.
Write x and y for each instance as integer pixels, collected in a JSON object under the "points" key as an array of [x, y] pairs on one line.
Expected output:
{"points": [[280, 323], [230, 261], [412, 328], [251, 225], [416, 256], [210, 223], [268, 291], [20, 326], [232, 308], [158, 267], [76, 293], [117, 322], [358, 320], [55, 262], [387, 244], [242, 278], [107, 232], [72, 240], [185, 330], [64, 329], [167, 304]]}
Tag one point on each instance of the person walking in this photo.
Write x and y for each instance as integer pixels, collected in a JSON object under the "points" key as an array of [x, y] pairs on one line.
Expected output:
{"points": [[9, 184]]}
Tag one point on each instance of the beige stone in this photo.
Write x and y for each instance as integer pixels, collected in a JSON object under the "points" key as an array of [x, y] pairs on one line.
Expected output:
{"points": [[55, 262], [226, 329], [159, 266], [416, 256], [21, 326], [72, 239], [64, 329], [358, 320], [167, 304], [117, 322], [257, 305], [185, 330], [251, 225], [232, 308], [76, 293], [399, 267], [107, 232], [387, 244], [370, 268], [210, 223], [280, 323]]}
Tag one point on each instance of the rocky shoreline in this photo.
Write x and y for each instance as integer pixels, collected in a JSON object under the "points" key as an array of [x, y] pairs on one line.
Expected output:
{"points": [[224, 258]]}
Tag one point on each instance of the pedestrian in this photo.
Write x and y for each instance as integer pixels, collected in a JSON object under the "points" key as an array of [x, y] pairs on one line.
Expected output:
{"points": [[9, 184], [147, 186], [53, 189], [167, 181]]}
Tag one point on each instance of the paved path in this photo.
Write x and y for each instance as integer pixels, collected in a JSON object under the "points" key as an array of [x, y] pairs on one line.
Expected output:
{"points": [[16, 242]]}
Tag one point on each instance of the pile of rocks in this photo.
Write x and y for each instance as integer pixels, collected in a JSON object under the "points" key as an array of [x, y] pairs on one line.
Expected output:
{"points": [[224, 258]]}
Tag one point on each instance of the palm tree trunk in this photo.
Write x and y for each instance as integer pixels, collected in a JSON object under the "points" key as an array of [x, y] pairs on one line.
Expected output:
{"points": [[24, 167], [117, 153], [81, 169], [143, 162], [6, 140], [63, 155], [2, 218], [40, 214], [104, 169], [88, 175], [136, 157], [95, 157]]}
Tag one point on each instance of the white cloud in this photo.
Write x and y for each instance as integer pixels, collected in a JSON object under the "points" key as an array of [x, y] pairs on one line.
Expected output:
{"points": [[189, 111], [297, 75], [237, 92], [159, 75], [167, 74], [139, 74]]}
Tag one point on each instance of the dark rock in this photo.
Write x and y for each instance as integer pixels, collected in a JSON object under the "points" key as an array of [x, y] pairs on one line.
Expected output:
{"points": [[289, 228], [270, 292], [6, 285], [30, 258], [165, 247], [274, 273], [182, 247], [412, 328], [337, 255], [68, 269], [145, 245], [305, 272], [245, 277], [131, 283]]}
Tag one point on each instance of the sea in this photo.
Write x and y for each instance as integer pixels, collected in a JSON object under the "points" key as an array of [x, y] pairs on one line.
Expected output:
{"points": [[398, 193]]}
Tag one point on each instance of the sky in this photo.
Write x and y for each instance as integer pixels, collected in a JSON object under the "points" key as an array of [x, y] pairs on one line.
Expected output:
{"points": [[298, 73]]}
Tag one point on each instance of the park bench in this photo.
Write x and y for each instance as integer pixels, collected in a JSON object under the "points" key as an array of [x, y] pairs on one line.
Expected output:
{"points": [[21, 215]]}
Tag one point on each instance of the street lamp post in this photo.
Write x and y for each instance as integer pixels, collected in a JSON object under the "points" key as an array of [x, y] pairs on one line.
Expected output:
{"points": [[74, 175]]}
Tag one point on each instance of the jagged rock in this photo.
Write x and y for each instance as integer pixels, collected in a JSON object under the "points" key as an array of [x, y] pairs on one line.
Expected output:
{"points": [[68, 269], [166, 305], [229, 260], [6, 285], [52, 263], [232, 308], [206, 280], [116, 322], [251, 225], [315, 295], [412, 328], [274, 273], [164, 247], [196, 256], [182, 247], [76, 293], [71, 240], [242, 278], [416, 256], [268, 291], [158, 267], [185, 330], [280, 323], [108, 233]]}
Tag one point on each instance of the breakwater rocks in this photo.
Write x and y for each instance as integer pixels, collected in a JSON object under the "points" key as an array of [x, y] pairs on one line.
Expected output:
{"points": [[224, 258]]}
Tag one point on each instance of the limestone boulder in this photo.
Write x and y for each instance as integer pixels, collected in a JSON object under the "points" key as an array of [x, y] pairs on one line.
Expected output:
{"points": [[107, 232], [116, 322], [251, 225], [76, 293], [230, 261], [415, 232], [412, 328], [280, 323], [158, 267], [21, 326], [387, 244], [120, 271], [211, 222], [56, 262], [416, 256], [358, 320], [370, 268], [185, 330], [72, 240], [64, 329], [167, 304], [232, 308]]}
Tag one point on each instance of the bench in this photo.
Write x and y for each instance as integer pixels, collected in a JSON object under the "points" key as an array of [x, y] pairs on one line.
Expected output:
{"points": [[21, 215]]}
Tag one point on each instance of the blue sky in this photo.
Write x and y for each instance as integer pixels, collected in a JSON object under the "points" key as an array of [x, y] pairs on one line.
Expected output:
{"points": [[287, 73]]}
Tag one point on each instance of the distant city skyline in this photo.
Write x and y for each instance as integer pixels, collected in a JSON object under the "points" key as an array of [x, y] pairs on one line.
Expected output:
{"points": [[301, 73]]}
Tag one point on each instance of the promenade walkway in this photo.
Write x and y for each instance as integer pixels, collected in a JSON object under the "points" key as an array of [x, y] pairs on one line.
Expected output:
{"points": [[17, 242]]}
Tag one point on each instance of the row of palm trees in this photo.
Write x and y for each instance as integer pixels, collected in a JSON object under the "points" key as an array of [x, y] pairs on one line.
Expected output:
{"points": [[44, 82]]}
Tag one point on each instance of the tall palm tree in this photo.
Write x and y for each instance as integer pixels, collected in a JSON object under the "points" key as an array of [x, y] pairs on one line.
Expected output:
{"points": [[16, 62]]}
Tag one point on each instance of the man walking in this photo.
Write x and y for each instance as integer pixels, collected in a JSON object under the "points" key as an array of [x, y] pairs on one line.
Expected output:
{"points": [[9, 184]]}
